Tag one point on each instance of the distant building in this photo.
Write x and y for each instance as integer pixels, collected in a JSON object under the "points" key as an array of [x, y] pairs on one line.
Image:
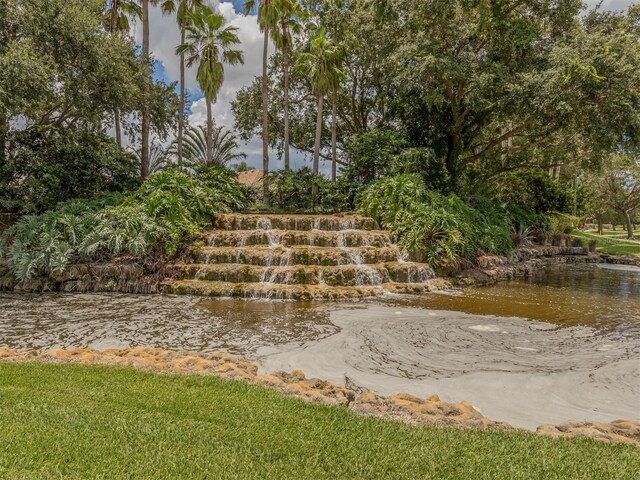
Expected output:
{"points": [[250, 177]]}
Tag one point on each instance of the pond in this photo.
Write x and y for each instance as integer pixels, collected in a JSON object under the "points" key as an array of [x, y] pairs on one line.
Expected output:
{"points": [[562, 345]]}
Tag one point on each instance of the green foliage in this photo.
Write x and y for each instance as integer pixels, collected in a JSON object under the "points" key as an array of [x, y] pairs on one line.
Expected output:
{"points": [[152, 220], [536, 191], [560, 223], [432, 225], [293, 191], [224, 147], [49, 242], [47, 166]]}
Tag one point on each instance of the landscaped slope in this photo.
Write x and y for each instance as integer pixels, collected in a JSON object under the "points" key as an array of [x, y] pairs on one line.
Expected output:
{"points": [[71, 421]]}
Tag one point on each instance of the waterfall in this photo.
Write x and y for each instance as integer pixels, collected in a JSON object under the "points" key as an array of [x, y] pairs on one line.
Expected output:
{"points": [[298, 257]]}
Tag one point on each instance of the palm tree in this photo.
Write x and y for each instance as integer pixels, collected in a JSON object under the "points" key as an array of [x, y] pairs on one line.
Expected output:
{"points": [[289, 12], [209, 43], [224, 147], [321, 64], [268, 19], [182, 9], [159, 158], [116, 22]]}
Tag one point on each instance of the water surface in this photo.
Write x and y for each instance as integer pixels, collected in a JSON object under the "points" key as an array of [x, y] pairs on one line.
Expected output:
{"points": [[562, 345]]}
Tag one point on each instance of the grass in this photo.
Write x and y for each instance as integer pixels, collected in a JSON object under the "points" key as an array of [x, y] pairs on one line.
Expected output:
{"points": [[608, 245], [93, 422]]}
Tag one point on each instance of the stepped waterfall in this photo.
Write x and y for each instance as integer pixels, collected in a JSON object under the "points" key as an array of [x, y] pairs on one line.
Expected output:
{"points": [[299, 257]]}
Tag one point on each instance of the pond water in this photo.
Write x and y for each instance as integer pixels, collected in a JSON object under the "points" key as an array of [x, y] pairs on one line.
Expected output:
{"points": [[562, 345]]}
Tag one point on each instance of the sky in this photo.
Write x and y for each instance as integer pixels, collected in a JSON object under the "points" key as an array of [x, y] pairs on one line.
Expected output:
{"points": [[165, 36]]}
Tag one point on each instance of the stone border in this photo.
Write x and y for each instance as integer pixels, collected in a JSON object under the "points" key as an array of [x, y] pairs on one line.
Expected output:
{"points": [[524, 262], [400, 407]]}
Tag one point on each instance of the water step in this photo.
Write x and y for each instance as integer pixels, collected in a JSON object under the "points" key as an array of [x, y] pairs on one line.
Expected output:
{"points": [[294, 292], [317, 238], [346, 275], [293, 222], [296, 255]]}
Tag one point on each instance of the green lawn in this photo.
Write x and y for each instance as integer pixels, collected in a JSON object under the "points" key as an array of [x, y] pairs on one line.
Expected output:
{"points": [[620, 232], [86, 422], [608, 245]]}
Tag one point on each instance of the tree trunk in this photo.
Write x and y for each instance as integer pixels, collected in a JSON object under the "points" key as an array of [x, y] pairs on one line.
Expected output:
{"points": [[209, 133], [146, 123], [627, 216], [265, 119], [182, 98], [118, 126], [334, 133], [600, 227], [316, 149], [285, 66]]}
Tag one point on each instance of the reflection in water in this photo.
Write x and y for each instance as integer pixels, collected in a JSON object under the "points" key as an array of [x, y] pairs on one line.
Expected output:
{"points": [[174, 323], [604, 297]]}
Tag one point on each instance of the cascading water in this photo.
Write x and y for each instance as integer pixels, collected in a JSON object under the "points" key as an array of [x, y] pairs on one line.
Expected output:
{"points": [[298, 257]]}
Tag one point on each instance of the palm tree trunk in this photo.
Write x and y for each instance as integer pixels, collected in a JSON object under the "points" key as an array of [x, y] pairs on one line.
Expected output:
{"points": [[334, 156], [209, 134], [182, 98], [118, 126], [146, 123], [316, 149], [285, 63], [265, 119]]}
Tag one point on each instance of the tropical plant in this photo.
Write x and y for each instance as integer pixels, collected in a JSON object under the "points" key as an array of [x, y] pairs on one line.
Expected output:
{"points": [[182, 8], [431, 225], [210, 44], [224, 147], [321, 64], [159, 157], [151, 221]]}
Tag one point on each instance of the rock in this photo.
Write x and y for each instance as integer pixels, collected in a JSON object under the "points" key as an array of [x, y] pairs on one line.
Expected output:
{"points": [[618, 431]]}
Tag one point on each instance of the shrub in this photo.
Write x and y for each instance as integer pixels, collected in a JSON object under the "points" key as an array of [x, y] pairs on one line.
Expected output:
{"points": [[433, 225], [560, 223], [47, 166], [528, 192], [293, 191]]}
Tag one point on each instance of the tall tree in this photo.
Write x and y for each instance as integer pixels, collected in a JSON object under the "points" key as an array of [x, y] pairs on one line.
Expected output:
{"points": [[182, 8], [210, 44], [289, 23], [117, 23], [268, 18], [617, 186], [321, 64]]}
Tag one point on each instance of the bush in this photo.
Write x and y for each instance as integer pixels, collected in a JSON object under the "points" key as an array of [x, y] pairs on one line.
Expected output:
{"points": [[293, 191], [152, 220], [432, 225], [47, 166], [531, 191], [560, 223]]}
